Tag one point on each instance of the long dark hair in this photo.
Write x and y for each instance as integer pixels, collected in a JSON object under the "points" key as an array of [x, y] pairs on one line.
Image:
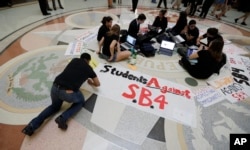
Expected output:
{"points": [[182, 18], [215, 48], [115, 30]]}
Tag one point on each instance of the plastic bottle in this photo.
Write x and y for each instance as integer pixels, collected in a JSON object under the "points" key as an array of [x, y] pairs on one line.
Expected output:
{"points": [[133, 56]]}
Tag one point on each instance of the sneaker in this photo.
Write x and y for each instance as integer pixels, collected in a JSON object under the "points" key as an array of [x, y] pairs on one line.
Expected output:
{"points": [[28, 130], [61, 123], [243, 23]]}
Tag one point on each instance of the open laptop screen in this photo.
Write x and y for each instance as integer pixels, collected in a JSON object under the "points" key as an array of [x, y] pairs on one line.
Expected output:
{"points": [[167, 45], [131, 40]]}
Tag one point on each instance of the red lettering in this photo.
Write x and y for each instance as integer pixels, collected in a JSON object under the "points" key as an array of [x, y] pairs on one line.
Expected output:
{"points": [[187, 94], [132, 88], [153, 81], [161, 100], [164, 89], [144, 99]]}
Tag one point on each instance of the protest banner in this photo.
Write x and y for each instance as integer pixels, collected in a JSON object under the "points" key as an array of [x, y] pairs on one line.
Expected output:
{"points": [[150, 94]]}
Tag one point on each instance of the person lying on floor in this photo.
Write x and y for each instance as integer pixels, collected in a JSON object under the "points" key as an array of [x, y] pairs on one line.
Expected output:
{"points": [[208, 61], [109, 46]]}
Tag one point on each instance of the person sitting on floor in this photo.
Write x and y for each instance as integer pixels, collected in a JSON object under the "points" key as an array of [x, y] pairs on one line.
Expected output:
{"points": [[134, 26], [109, 46], [161, 22], [180, 24], [106, 25], [211, 34], [208, 61], [190, 33]]}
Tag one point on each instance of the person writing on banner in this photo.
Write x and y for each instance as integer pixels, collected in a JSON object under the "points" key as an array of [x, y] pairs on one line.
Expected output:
{"points": [[180, 24], [210, 35], [208, 61], [109, 46], [106, 25], [161, 22], [134, 26], [66, 88], [190, 33]]}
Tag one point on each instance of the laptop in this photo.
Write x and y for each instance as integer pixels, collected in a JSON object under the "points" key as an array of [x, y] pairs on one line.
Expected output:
{"points": [[166, 47], [153, 29], [177, 38], [130, 43]]}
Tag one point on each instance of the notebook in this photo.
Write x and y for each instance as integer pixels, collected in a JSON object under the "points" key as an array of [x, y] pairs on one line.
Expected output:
{"points": [[176, 38], [166, 47], [130, 43]]}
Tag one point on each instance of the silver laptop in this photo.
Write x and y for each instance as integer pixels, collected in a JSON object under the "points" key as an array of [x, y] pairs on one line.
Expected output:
{"points": [[130, 43], [167, 46]]}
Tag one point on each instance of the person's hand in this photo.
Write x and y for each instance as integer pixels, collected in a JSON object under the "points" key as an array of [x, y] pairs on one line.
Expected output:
{"points": [[90, 82], [98, 52]]}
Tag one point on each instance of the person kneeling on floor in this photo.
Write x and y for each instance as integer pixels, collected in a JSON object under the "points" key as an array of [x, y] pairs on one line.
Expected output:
{"points": [[66, 88]]}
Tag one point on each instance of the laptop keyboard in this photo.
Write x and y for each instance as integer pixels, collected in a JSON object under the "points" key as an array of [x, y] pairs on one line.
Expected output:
{"points": [[127, 45]]}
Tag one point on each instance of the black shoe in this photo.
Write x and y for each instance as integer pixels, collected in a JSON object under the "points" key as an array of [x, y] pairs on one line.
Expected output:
{"points": [[28, 130], [54, 8], [61, 7], [46, 14], [61, 123], [49, 9], [235, 20], [243, 23]]}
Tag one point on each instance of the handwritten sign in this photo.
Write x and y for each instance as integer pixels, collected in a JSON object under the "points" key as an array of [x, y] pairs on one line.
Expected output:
{"points": [[147, 93], [208, 96], [74, 48], [240, 70]]}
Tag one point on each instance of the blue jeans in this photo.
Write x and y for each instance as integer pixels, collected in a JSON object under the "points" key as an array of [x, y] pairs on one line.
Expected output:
{"points": [[57, 97]]}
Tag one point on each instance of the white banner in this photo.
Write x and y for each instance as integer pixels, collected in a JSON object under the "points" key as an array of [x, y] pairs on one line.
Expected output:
{"points": [[239, 90], [150, 94], [208, 96]]}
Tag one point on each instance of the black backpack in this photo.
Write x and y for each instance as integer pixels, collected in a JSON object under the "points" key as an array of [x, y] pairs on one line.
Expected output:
{"points": [[147, 50]]}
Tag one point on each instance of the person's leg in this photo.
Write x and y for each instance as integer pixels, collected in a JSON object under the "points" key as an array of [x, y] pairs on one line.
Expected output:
{"points": [[245, 18], [134, 4], [110, 3], [195, 8], [54, 4], [122, 55], [43, 6], [77, 99], [60, 4], [165, 4], [159, 4], [236, 20], [47, 112]]}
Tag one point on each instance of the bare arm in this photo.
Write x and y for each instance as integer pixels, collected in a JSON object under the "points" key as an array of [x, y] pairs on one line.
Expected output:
{"points": [[100, 45], [112, 49], [94, 81], [194, 56]]}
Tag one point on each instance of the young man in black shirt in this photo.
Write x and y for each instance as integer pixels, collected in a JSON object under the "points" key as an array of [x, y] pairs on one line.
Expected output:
{"points": [[211, 34], [66, 88], [190, 33]]}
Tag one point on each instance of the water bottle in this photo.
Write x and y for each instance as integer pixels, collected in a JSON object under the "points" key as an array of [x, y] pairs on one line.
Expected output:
{"points": [[133, 56]]}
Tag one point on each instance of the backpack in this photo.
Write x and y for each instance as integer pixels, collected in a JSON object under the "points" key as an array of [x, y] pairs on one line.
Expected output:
{"points": [[123, 35], [147, 50]]}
